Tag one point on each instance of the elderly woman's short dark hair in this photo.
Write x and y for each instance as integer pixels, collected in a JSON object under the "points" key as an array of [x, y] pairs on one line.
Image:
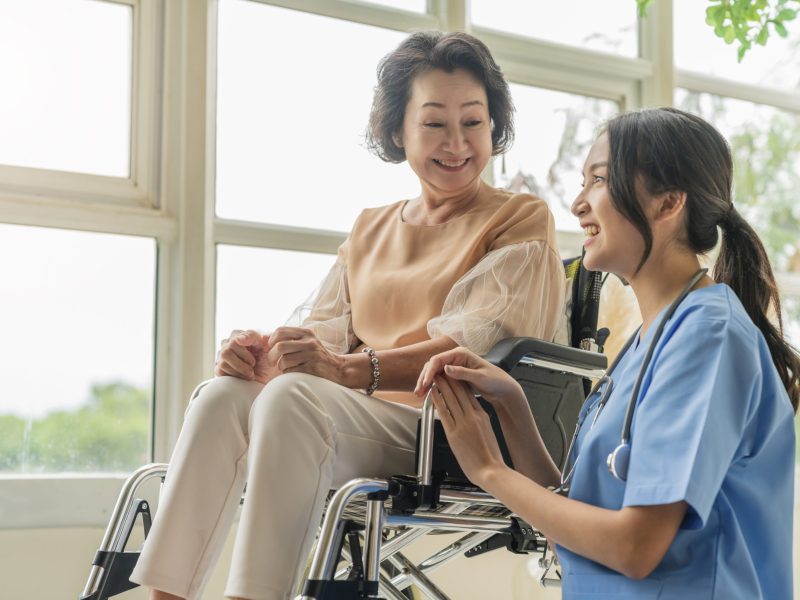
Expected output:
{"points": [[422, 52]]}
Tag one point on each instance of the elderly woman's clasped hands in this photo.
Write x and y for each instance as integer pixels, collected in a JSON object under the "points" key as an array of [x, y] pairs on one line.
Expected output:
{"points": [[251, 355]]}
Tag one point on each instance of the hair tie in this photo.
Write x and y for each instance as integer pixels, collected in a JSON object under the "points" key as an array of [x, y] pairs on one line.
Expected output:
{"points": [[731, 218]]}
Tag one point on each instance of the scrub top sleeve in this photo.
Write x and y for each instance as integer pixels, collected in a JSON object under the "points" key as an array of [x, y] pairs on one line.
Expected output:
{"points": [[692, 411]]}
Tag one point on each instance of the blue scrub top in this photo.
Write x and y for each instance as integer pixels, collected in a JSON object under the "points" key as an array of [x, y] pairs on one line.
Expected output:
{"points": [[713, 427]]}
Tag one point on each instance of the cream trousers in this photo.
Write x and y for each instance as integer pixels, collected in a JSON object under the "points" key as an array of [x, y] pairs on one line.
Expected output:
{"points": [[292, 440]]}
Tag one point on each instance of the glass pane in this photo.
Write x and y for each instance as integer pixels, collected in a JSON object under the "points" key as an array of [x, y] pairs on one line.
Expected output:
{"points": [[77, 351], [605, 26], [697, 48], [291, 120], [554, 131], [259, 288], [417, 6], [765, 142], [65, 68]]}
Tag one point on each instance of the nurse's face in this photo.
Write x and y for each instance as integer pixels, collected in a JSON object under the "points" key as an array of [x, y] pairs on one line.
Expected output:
{"points": [[447, 133], [612, 243]]}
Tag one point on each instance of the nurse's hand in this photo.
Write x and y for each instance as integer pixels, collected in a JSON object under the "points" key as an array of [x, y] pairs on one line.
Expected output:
{"points": [[245, 354], [468, 429], [297, 350], [492, 383]]}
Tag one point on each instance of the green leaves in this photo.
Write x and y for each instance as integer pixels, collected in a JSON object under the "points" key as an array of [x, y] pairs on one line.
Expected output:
{"points": [[747, 22], [641, 7], [109, 433]]}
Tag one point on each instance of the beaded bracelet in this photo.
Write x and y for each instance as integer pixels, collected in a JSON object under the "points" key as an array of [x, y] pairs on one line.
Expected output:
{"points": [[376, 370]]}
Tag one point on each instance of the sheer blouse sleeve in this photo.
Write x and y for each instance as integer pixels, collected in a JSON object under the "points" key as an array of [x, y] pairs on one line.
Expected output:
{"points": [[327, 311], [516, 290]]}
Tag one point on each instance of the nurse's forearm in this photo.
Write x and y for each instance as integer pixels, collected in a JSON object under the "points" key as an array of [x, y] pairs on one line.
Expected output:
{"points": [[525, 444], [399, 367], [632, 540]]}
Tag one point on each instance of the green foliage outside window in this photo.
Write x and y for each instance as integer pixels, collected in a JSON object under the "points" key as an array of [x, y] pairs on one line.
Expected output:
{"points": [[109, 433], [747, 22]]}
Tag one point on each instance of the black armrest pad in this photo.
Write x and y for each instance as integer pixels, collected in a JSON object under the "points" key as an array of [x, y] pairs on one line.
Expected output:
{"points": [[507, 353]]}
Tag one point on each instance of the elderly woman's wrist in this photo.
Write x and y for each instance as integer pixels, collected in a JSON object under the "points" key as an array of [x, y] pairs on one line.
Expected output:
{"points": [[357, 370]]}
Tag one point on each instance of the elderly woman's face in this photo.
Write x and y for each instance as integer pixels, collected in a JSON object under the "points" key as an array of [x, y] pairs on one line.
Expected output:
{"points": [[447, 134]]}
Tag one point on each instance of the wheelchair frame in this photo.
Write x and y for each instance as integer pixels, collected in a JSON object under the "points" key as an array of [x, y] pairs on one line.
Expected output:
{"points": [[418, 505]]}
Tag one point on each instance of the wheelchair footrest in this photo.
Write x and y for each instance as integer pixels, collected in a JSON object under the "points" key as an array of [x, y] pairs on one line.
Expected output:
{"points": [[117, 569], [118, 565], [348, 589]]}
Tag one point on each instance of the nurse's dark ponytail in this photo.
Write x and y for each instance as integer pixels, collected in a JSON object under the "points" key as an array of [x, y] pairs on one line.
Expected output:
{"points": [[744, 266], [671, 150]]}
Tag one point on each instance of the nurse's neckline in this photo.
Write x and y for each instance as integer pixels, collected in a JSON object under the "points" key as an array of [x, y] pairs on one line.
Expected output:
{"points": [[654, 324]]}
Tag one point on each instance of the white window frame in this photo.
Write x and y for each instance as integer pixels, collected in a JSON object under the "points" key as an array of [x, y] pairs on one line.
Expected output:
{"points": [[170, 193]]}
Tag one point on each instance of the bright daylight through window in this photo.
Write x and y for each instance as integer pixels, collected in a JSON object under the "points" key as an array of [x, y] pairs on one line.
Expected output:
{"points": [[77, 361], [67, 105]]}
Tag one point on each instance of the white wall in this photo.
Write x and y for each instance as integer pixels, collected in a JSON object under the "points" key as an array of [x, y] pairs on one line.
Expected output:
{"points": [[46, 564]]}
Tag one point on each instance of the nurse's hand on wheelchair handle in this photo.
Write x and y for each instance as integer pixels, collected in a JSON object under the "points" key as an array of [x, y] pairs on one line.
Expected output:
{"points": [[468, 429], [492, 383], [244, 354]]}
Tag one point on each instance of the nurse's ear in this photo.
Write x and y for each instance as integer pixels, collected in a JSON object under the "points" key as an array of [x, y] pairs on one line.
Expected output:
{"points": [[669, 206], [666, 215]]}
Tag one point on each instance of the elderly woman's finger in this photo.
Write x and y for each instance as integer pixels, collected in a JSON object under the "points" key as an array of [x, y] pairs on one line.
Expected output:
{"points": [[241, 352], [425, 379], [282, 334], [249, 337], [291, 346], [233, 366]]}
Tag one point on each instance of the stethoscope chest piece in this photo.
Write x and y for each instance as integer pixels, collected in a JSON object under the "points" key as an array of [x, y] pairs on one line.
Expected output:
{"points": [[619, 460]]}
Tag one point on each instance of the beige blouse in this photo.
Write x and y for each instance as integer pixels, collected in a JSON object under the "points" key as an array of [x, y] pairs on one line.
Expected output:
{"points": [[487, 274]]}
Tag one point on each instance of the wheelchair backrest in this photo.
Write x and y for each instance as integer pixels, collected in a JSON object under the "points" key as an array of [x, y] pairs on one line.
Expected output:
{"points": [[555, 378]]}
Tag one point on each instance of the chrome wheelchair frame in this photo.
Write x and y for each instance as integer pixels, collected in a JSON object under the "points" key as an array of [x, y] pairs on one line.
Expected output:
{"points": [[410, 506], [403, 508]]}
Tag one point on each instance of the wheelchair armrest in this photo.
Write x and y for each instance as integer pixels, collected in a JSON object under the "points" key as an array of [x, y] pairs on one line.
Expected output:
{"points": [[507, 353]]}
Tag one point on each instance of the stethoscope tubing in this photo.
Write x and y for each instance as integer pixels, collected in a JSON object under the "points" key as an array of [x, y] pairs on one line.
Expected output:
{"points": [[620, 471]]}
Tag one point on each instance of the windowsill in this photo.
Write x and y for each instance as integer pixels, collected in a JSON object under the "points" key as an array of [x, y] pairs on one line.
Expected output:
{"points": [[61, 500]]}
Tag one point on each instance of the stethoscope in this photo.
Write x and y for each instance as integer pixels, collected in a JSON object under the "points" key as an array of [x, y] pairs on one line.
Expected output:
{"points": [[619, 459]]}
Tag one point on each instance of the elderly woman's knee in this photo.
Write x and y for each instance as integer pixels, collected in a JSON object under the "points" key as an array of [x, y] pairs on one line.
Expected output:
{"points": [[221, 397], [290, 395]]}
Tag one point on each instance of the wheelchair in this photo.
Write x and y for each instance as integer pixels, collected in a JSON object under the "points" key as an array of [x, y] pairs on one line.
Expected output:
{"points": [[368, 522]]}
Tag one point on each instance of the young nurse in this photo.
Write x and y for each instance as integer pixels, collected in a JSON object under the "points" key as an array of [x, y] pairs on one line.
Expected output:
{"points": [[694, 497]]}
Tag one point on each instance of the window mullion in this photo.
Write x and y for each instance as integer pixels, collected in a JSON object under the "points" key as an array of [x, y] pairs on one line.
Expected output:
{"points": [[186, 275], [453, 15], [656, 42]]}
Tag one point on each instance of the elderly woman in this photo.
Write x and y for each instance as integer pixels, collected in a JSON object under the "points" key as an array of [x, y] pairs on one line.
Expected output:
{"points": [[307, 408]]}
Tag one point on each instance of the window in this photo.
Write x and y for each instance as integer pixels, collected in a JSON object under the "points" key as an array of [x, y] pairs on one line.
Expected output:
{"points": [[765, 143], [290, 145], [77, 324], [67, 105], [554, 132], [259, 288], [604, 26], [777, 64], [418, 6]]}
